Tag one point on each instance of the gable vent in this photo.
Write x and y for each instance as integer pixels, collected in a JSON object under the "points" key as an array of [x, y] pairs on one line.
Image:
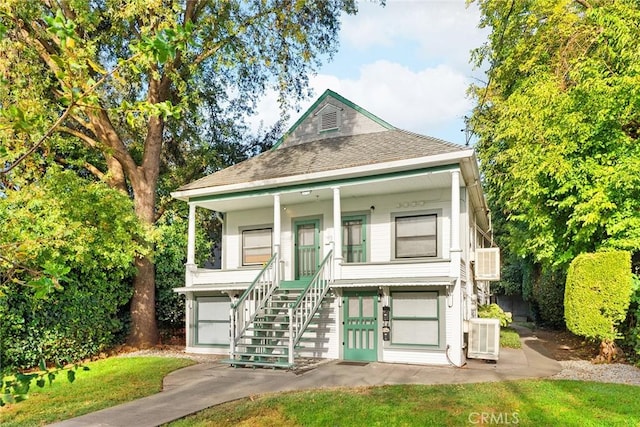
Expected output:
{"points": [[329, 120], [487, 266]]}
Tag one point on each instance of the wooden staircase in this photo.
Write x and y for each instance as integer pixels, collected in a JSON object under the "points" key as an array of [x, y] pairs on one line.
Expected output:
{"points": [[267, 331], [265, 342]]}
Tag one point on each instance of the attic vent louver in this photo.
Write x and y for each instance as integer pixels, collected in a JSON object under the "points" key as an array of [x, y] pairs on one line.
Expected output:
{"points": [[329, 118]]}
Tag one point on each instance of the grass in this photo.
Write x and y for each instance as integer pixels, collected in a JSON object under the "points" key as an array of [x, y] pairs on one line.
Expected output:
{"points": [[109, 382], [509, 338], [525, 403]]}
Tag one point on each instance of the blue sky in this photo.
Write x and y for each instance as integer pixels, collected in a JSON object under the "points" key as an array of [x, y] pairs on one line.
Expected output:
{"points": [[407, 62]]}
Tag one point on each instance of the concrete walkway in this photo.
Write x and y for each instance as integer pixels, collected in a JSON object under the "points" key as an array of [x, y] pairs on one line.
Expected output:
{"points": [[197, 387]]}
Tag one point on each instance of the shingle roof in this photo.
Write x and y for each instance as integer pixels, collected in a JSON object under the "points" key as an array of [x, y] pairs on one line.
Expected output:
{"points": [[328, 154]]}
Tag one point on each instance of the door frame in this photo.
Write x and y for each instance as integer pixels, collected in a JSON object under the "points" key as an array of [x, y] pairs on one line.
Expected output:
{"points": [[372, 355], [316, 238]]}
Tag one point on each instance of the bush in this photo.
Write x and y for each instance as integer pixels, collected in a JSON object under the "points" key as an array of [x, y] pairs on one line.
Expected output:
{"points": [[548, 297], [494, 311], [597, 296], [91, 231], [630, 329]]}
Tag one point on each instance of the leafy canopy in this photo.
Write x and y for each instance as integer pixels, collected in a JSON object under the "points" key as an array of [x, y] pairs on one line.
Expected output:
{"points": [[145, 95], [87, 237], [558, 125]]}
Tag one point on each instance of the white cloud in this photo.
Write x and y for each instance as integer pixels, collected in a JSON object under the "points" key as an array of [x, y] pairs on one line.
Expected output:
{"points": [[441, 28], [415, 101], [406, 63]]}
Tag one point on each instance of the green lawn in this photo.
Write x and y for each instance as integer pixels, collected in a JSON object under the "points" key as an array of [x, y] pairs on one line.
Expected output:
{"points": [[109, 382], [523, 403]]}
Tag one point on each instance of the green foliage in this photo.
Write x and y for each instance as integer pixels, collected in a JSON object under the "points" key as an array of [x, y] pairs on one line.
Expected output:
{"points": [[598, 293], [84, 236], [547, 296], [494, 311], [630, 329], [152, 94], [558, 124]]}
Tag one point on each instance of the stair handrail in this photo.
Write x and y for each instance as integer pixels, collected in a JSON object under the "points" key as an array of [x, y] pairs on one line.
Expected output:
{"points": [[302, 310], [252, 300]]}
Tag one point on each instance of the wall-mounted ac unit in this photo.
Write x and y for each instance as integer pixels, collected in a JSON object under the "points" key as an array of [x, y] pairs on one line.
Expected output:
{"points": [[487, 264], [484, 339]]}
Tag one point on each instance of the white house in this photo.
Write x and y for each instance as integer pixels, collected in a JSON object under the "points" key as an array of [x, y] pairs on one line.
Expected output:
{"points": [[350, 239]]}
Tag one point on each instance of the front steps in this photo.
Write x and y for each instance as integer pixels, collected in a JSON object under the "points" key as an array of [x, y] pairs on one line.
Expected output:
{"points": [[265, 342]]}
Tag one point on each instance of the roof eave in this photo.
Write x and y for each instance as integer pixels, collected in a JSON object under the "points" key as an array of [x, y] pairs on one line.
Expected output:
{"points": [[329, 175]]}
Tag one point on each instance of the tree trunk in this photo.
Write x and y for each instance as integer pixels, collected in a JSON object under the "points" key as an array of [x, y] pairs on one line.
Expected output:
{"points": [[608, 352], [144, 328], [144, 181]]}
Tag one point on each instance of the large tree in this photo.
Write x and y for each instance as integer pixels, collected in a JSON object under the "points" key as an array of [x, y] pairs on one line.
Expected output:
{"points": [[133, 86], [558, 123]]}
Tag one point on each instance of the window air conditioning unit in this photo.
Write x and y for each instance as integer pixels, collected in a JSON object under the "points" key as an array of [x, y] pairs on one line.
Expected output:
{"points": [[487, 265], [484, 339]]}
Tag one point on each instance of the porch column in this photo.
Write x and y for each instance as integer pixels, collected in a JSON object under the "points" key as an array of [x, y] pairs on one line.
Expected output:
{"points": [[191, 245], [455, 211], [191, 236], [279, 266], [337, 232], [276, 224], [456, 298]]}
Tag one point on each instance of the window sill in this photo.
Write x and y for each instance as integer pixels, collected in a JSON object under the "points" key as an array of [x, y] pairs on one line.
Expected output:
{"points": [[417, 347], [399, 261]]}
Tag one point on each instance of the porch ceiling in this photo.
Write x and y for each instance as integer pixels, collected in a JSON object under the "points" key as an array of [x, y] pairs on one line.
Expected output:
{"points": [[323, 191]]}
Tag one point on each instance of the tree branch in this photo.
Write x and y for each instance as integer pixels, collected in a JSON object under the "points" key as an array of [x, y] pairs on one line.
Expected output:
{"points": [[81, 135], [584, 3], [60, 119]]}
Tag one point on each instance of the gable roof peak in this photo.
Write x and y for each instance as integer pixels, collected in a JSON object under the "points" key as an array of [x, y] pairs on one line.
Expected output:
{"points": [[374, 123]]}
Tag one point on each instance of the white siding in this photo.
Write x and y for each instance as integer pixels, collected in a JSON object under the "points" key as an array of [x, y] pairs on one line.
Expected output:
{"points": [[417, 356], [321, 338], [395, 270]]}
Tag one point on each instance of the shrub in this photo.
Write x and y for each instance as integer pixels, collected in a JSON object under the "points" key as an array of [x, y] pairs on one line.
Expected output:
{"points": [[597, 297], [631, 327], [494, 311], [548, 297], [93, 232]]}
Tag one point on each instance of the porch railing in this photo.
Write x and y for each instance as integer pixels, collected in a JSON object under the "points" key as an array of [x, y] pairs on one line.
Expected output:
{"points": [[303, 309], [244, 311]]}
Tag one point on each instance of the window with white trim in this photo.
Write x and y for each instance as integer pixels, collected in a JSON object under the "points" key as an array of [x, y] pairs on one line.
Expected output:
{"points": [[212, 320], [415, 318], [256, 246], [416, 236]]}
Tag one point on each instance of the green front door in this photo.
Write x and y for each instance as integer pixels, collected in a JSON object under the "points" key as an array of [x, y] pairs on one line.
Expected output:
{"points": [[360, 326], [307, 248]]}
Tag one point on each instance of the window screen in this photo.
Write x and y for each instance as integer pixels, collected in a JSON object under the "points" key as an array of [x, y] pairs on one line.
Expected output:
{"points": [[414, 318], [256, 246], [353, 239], [212, 322], [416, 236]]}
